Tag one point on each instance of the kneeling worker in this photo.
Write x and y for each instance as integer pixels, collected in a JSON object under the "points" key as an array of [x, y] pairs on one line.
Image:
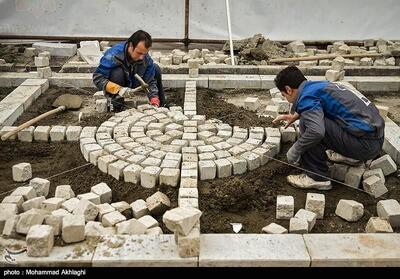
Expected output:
{"points": [[116, 73], [332, 117]]}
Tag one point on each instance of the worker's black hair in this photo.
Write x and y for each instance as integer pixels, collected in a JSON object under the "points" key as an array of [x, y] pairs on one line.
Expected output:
{"points": [[290, 76], [140, 36]]}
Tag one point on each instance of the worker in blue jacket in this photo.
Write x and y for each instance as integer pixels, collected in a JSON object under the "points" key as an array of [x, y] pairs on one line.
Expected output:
{"points": [[333, 117], [115, 74]]}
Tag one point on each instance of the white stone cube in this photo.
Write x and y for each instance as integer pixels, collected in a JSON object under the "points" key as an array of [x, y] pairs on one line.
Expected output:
{"points": [[158, 203], [42, 61], [349, 210], [148, 221], [374, 186], [64, 191], [70, 204], [40, 185], [389, 210], [284, 207], [316, 203], [57, 133], [27, 192], [22, 172], [52, 204], [299, 226], [73, 228], [103, 191], [378, 225], [92, 197], [385, 163], [149, 176], [39, 241], [26, 135], [112, 218], [86, 208], [139, 208], [41, 133], [73, 132], [307, 215], [274, 229]]}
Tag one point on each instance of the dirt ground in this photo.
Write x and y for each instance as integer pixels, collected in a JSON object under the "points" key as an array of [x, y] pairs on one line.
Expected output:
{"points": [[89, 116], [15, 54], [4, 91], [49, 159], [249, 199], [390, 100]]}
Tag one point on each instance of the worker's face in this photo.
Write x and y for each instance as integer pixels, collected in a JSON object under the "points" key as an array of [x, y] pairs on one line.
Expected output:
{"points": [[137, 53], [290, 94]]}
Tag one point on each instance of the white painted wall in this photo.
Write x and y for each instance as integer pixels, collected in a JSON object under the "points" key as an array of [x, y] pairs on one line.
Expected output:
{"points": [[113, 18], [298, 19], [276, 19]]}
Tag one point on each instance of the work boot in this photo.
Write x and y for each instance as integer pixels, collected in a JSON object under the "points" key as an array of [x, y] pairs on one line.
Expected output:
{"points": [[303, 181], [340, 159]]}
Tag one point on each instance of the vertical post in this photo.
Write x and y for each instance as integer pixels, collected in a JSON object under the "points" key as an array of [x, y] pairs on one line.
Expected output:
{"points": [[186, 40], [228, 16]]}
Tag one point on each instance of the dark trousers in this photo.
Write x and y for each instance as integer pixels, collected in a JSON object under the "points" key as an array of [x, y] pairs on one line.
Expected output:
{"points": [[340, 141], [118, 76]]}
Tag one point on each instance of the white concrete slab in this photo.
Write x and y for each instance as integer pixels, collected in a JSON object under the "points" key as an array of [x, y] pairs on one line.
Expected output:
{"points": [[24, 95], [43, 83], [353, 250], [9, 113], [374, 83], [234, 81], [14, 79], [76, 255], [140, 251], [179, 81], [252, 250], [391, 144], [71, 80]]}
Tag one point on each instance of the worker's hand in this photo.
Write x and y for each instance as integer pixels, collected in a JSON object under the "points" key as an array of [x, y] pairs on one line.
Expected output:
{"points": [[290, 118], [293, 157], [125, 92], [155, 101]]}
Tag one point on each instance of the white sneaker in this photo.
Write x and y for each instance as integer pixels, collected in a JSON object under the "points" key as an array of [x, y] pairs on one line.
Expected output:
{"points": [[339, 158], [303, 181]]}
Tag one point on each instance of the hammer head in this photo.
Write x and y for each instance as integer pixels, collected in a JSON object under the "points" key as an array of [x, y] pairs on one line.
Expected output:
{"points": [[144, 85]]}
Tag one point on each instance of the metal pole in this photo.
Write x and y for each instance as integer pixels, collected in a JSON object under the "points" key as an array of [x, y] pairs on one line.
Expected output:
{"points": [[228, 16], [186, 40]]}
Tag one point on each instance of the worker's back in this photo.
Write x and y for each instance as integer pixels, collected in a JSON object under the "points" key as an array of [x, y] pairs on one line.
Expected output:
{"points": [[345, 105]]}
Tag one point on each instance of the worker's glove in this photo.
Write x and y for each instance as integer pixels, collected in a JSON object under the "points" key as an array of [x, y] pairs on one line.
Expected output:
{"points": [[125, 92], [293, 157], [155, 101]]}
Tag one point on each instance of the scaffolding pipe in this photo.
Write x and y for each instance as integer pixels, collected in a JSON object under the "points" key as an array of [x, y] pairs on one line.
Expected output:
{"points": [[228, 16]]}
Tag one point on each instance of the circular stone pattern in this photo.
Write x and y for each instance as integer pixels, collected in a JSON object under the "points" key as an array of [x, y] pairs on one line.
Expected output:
{"points": [[151, 146]]}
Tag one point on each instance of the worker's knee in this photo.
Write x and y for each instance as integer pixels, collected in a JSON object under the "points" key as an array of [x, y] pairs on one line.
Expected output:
{"points": [[157, 72], [117, 75]]}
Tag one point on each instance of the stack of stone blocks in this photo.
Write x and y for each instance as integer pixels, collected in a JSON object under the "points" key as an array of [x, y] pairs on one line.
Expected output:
{"points": [[336, 73], [28, 211], [371, 178], [42, 63]]}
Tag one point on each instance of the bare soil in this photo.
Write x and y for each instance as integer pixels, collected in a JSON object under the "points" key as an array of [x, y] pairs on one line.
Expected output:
{"points": [[15, 54], [249, 199], [89, 116], [56, 161], [4, 91], [390, 100]]}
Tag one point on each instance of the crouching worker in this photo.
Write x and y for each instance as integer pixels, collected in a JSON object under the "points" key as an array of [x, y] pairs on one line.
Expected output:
{"points": [[116, 73], [332, 117]]}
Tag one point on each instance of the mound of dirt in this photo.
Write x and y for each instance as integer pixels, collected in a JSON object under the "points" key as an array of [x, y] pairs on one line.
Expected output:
{"points": [[213, 106], [257, 48]]}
